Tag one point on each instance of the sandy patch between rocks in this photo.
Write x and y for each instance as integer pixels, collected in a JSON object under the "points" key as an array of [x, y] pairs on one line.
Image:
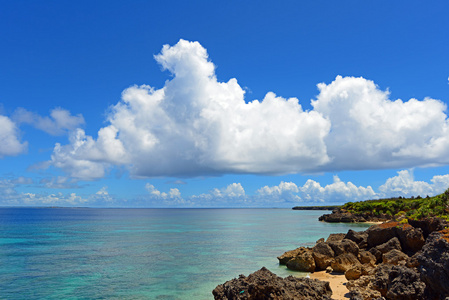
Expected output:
{"points": [[337, 283]]}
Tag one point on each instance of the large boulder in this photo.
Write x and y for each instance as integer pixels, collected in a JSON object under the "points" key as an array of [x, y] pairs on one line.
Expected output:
{"points": [[304, 262], [412, 239], [335, 237], [429, 225], [398, 283], [323, 255], [344, 262], [284, 258], [379, 250], [395, 257], [390, 245], [344, 246], [354, 273], [379, 234], [367, 257], [359, 237], [263, 284], [434, 263]]}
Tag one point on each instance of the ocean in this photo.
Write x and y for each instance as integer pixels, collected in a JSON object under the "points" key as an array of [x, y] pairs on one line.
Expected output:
{"points": [[91, 253]]}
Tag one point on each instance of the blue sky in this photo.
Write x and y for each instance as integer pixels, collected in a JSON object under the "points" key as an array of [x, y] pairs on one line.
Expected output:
{"points": [[222, 104]]}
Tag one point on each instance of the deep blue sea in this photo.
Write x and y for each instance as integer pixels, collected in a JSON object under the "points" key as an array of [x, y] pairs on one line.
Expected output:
{"points": [[84, 253]]}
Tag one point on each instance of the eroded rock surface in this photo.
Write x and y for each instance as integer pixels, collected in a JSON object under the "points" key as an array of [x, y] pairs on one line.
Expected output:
{"points": [[344, 246], [434, 264], [359, 237], [304, 261], [398, 283], [344, 262], [263, 284], [284, 258], [323, 255], [395, 257]]}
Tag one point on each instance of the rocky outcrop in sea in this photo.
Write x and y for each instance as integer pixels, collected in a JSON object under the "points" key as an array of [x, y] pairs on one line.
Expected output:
{"points": [[340, 215], [386, 261]]}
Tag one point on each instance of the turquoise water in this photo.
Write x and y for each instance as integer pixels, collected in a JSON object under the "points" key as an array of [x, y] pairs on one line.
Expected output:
{"points": [[82, 253]]}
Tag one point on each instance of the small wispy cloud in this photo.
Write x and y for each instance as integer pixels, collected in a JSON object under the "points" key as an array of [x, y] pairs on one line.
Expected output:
{"points": [[60, 121]]}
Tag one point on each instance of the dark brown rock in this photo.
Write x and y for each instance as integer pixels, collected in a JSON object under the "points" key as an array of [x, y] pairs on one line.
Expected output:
{"points": [[359, 237], [353, 273], [344, 246], [413, 262], [284, 258], [323, 255], [412, 239], [429, 225], [434, 264], [382, 233], [342, 215], [335, 237], [263, 284], [304, 262], [385, 247], [362, 288], [368, 269], [339, 217], [390, 245], [367, 257], [398, 283], [395, 257], [344, 262]]}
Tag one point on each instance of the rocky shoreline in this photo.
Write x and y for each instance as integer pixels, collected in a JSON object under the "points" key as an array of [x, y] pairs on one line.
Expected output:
{"points": [[340, 215], [391, 260]]}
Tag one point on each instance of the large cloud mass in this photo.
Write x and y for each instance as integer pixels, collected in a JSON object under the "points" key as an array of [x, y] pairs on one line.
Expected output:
{"points": [[196, 125], [369, 131]]}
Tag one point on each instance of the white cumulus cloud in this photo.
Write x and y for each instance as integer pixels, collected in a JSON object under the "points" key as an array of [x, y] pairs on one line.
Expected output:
{"points": [[312, 191], [285, 191], [234, 190], [338, 191], [196, 125], [370, 131], [233, 195], [9, 138], [404, 184]]}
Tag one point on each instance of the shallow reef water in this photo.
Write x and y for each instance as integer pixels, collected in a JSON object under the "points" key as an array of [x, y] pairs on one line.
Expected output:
{"points": [[93, 253]]}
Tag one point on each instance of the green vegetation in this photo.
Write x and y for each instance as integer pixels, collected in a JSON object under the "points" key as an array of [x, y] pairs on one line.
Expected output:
{"points": [[403, 208]]}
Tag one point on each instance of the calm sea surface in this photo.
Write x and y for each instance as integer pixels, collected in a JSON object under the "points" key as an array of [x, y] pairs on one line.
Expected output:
{"points": [[82, 253]]}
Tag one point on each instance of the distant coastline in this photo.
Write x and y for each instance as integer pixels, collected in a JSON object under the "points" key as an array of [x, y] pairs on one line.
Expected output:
{"points": [[325, 207]]}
